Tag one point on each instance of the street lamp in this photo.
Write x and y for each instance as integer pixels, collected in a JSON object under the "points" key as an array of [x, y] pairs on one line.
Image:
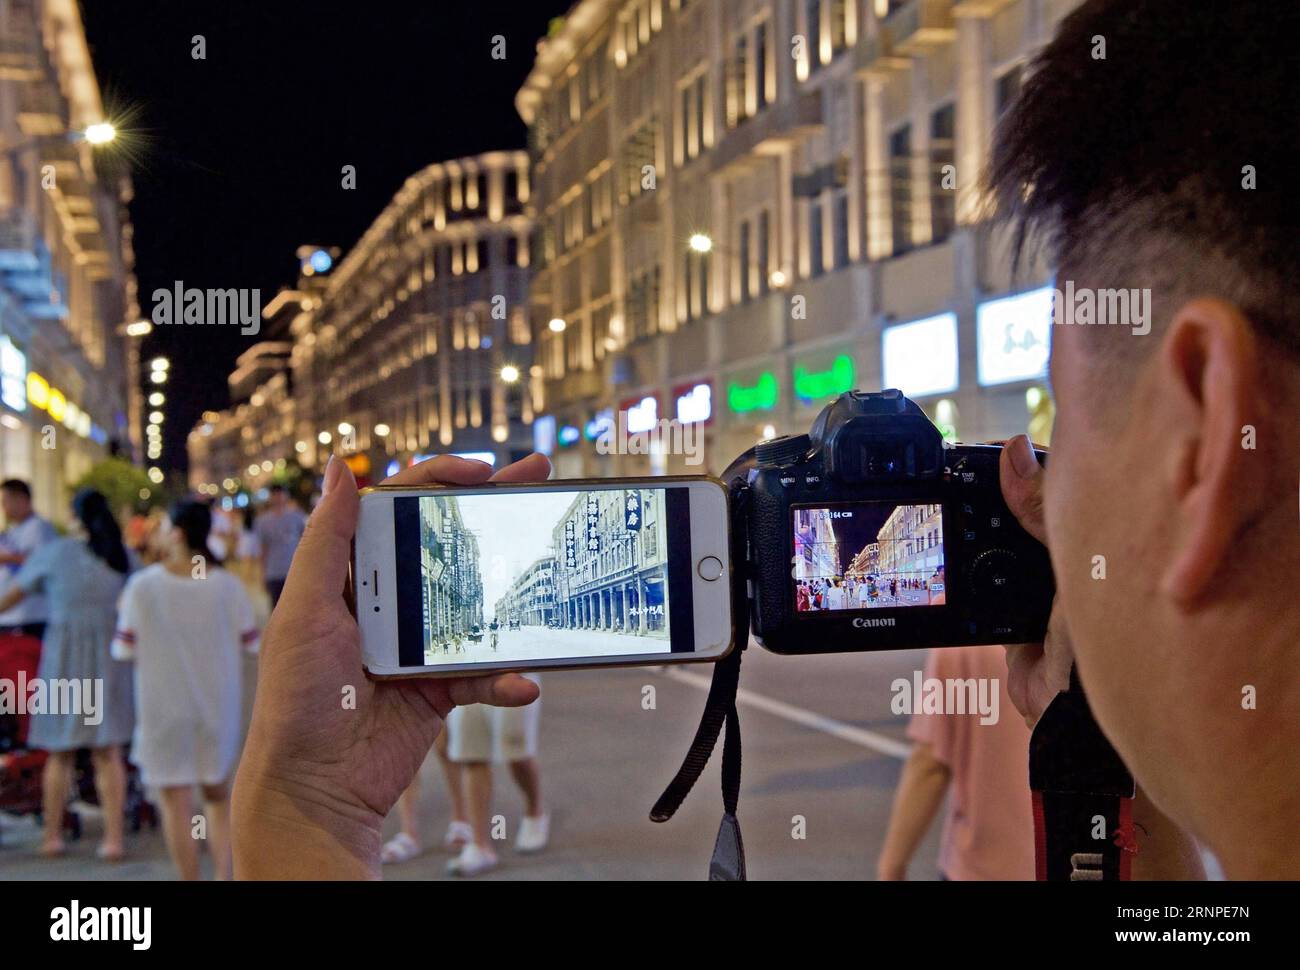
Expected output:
{"points": [[557, 325], [100, 133], [510, 373], [700, 243], [381, 430]]}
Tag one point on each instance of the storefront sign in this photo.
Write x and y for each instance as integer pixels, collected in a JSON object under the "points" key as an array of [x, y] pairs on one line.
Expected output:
{"points": [[642, 414], [759, 396], [632, 512], [810, 385], [1013, 337], [602, 422], [13, 375], [920, 358], [544, 434], [568, 435], [694, 403]]}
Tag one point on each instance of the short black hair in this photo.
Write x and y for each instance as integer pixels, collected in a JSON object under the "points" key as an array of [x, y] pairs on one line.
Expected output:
{"points": [[277, 487], [1138, 165], [16, 486]]}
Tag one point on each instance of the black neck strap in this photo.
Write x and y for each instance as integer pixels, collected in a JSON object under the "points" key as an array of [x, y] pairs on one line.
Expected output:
{"points": [[728, 862]]}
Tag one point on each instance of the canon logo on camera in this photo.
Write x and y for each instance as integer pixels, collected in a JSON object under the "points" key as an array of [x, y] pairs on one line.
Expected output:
{"points": [[864, 621]]}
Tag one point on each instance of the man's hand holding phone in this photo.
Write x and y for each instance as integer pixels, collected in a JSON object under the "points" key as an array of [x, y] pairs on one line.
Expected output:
{"points": [[329, 751]]}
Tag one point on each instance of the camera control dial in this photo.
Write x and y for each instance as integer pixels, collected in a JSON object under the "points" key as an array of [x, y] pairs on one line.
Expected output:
{"points": [[995, 574], [785, 450]]}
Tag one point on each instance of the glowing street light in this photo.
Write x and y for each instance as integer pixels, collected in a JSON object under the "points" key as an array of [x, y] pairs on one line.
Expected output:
{"points": [[557, 325], [160, 363], [156, 399], [140, 328], [100, 133], [510, 373], [324, 437], [701, 243], [381, 430]]}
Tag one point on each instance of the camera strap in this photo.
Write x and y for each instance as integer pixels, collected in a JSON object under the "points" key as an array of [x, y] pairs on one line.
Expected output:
{"points": [[1082, 795], [728, 861]]}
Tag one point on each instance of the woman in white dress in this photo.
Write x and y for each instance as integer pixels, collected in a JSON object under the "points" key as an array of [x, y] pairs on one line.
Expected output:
{"points": [[184, 622]]}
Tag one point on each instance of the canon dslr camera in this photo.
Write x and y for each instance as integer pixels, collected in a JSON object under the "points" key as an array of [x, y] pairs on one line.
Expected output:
{"points": [[889, 537]]}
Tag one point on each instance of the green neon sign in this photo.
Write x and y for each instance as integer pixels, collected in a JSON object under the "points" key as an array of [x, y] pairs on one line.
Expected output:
{"points": [[813, 385], [760, 397]]}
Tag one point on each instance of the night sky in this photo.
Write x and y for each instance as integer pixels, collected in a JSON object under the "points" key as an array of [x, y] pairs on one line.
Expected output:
{"points": [[236, 159]]}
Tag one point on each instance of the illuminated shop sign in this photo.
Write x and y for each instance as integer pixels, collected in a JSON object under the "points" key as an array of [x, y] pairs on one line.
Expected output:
{"points": [[813, 385], [13, 375], [544, 434], [1013, 337], [602, 422], [694, 403], [920, 358], [568, 435], [642, 414], [759, 396]]}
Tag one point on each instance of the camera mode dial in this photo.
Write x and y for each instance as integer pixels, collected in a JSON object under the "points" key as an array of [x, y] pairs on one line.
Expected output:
{"points": [[785, 450]]}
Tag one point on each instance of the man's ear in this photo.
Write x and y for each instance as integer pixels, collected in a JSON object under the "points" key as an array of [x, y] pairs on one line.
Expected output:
{"points": [[1208, 365]]}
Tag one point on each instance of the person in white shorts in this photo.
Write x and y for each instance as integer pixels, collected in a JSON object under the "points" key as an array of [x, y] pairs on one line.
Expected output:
{"points": [[481, 736]]}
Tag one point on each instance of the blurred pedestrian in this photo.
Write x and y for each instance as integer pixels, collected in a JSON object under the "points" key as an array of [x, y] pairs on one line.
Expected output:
{"points": [[80, 576], [988, 830], [184, 621], [408, 844], [279, 528], [26, 530], [480, 736]]}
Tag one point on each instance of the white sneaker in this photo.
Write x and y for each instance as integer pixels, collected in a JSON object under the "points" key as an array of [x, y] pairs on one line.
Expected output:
{"points": [[459, 834], [472, 861], [534, 833]]}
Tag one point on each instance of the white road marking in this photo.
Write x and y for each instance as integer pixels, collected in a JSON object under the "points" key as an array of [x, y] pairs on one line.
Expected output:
{"points": [[798, 715]]}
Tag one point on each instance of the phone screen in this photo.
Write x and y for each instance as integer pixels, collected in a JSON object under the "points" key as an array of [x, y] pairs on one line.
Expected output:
{"points": [[868, 555], [516, 576]]}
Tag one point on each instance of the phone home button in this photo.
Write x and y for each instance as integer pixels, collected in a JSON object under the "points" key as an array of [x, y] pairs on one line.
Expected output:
{"points": [[709, 568]]}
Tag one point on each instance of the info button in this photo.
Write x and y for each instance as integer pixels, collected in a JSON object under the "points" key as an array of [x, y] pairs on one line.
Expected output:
{"points": [[709, 568]]}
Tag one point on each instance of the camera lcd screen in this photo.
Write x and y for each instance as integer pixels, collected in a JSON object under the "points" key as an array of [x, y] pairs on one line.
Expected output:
{"points": [[868, 556], [550, 574]]}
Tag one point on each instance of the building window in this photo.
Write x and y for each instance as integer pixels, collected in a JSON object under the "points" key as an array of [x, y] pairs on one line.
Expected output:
{"points": [[746, 263], [943, 201], [813, 16], [692, 120], [737, 83], [761, 65], [815, 264], [764, 242], [1007, 89], [840, 228], [900, 187], [695, 281]]}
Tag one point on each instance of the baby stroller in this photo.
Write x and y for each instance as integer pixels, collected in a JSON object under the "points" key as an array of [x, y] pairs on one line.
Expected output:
{"points": [[20, 767]]}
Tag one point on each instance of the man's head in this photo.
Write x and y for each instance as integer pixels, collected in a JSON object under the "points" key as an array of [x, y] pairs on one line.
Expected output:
{"points": [[15, 499], [277, 497], [1166, 165]]}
